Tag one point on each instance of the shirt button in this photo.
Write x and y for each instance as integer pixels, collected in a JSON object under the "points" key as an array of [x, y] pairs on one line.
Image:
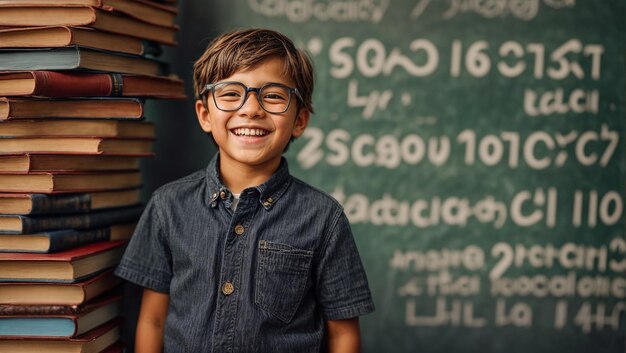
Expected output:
{"points": [[222, 195], [239, 229], [228, 288]]}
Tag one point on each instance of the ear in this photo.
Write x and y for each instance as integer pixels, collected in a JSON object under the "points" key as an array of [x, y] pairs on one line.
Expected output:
{"points": [[302, 120], [204, 118]]}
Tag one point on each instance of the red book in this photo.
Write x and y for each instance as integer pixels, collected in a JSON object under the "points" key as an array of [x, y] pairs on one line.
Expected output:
{"points": [[54, 84], [66, 266], [50, 293], [94, 341], [91, 108]]}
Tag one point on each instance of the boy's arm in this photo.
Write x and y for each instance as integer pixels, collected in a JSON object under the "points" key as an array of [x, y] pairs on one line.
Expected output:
{"points": [[151, 322], [344, 336]]}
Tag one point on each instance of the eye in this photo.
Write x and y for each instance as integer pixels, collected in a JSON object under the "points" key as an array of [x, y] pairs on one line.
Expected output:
{"points": [[229, 92], [275, 93], [274, 96]]}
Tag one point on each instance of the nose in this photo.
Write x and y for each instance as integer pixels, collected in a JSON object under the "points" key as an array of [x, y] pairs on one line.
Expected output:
{"points": [[251, 106]]}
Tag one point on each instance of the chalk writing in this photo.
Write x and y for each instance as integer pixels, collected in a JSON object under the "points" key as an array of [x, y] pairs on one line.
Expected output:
{"points": [[339, 11], [537, 150]]}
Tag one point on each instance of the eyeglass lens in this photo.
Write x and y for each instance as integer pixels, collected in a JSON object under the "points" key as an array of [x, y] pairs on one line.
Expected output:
{"points": [[232, 95]]}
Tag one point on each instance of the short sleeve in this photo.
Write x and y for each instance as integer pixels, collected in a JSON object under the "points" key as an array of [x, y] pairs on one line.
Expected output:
{"points": [[147, 259], [342, 286]]}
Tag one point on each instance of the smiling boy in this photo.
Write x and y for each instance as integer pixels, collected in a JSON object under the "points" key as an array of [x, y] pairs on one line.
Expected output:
{"points": [[243, 257]]}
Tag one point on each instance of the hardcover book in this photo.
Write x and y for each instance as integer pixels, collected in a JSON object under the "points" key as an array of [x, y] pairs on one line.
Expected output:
{"points": [[53, 241], [82, 145], [30, 163], [85, 16], [54, 84], [78, 58], [20, 224], [56, 321], [87, 108], [35, 204], [48, 183], [93, 341], [50, 293], [77, 127], [116, 348], [143, 10], [67, 266], [63, 36]]}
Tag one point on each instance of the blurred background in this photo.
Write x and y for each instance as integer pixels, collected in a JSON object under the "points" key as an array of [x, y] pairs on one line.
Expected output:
{"points": [[477, 149]]}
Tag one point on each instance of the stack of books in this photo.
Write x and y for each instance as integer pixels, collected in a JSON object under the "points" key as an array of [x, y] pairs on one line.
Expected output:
{"points": [[74, 77]]}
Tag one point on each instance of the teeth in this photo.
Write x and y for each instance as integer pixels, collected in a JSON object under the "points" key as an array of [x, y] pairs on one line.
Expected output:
{"points": [[249, 132]]}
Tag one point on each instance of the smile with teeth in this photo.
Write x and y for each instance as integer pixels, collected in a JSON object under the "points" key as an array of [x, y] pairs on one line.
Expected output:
{"points": [[250, 132]]}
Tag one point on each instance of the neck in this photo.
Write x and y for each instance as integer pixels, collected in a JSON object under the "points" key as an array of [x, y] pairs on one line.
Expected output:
{"points": [[241, 176]]}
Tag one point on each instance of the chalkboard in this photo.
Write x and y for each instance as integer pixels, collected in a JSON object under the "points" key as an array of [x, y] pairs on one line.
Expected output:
{"points": [[476, 146]]}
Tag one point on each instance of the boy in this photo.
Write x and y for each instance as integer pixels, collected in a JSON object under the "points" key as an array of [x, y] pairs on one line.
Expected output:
{"points": [[242, 257]]}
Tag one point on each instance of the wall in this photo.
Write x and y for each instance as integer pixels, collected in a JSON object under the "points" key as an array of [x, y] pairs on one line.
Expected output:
{"points": [[477, 149]]}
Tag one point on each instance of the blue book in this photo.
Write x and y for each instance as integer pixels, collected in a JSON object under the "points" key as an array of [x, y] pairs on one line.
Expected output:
{"points": [[39, 204], [20, 224]]}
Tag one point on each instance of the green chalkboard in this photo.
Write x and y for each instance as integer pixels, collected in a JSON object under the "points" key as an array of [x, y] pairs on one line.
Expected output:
{"points": [[476, 146]]}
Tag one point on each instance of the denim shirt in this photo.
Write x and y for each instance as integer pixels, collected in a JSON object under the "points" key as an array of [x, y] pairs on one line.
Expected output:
{"points": [[263, 278]]}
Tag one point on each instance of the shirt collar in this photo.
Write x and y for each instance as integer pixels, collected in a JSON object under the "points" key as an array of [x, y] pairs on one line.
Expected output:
{"points": [[269, 192]]}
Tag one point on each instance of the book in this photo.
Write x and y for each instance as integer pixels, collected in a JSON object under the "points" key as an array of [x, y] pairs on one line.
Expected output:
{"points": [[94, 341], [85, 16], [66, 266], [63, 36], [84, 145], [29, 163], [58, 321], [78, 58], [53, 241], [54, 84], [50, 293], [77, 127], [143, 10], [116, 348], [88, 108], [21, 224], [37, 204], [49, 183]]}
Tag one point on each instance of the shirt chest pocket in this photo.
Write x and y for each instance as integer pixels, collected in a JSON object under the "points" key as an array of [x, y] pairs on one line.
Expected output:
{"points": [[282, 275]]}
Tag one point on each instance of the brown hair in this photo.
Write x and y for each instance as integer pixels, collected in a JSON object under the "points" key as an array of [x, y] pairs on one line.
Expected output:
{"points": [[247, 48]]}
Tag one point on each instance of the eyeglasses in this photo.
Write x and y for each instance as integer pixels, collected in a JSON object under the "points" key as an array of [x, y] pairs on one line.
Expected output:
{"points": [[230, 96]]}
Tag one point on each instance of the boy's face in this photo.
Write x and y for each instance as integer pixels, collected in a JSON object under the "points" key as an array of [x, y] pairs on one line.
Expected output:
{"points": [[250, 136]]}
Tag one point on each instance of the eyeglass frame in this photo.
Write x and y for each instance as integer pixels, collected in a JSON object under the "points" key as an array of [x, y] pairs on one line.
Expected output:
{"points": [[211, 87]]}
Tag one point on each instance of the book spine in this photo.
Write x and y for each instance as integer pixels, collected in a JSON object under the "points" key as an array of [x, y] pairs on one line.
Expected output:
{"points": [[151, 48], [17, 310], [64, 240], [59, 84], [59, 310], [79, 221], [45, 204]]}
